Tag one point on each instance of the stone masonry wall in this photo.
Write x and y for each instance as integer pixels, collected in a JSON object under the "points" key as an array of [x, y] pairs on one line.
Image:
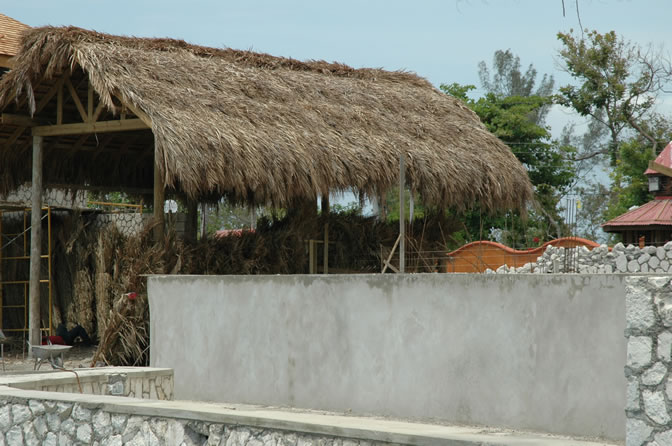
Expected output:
{"points": [[22, 196], [33, 421], [649, 361], [621, 259], [144, 383]]}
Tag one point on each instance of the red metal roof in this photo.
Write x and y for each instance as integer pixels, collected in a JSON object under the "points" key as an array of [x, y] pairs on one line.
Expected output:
{"points": [[665, 158], [654, 213]]}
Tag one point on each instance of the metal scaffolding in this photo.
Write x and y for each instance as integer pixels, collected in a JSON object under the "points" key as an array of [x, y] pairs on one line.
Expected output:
{"points": [[8, 240]]}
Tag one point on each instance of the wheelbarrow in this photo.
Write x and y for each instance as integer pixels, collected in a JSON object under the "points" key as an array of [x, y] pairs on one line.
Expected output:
{"points": [[51, 353]]}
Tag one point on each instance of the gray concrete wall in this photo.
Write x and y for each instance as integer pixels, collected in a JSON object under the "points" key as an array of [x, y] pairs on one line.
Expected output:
{"points": [[540, 352]]}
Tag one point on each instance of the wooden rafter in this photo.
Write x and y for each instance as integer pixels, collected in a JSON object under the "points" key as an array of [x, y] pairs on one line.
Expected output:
{"points": [[95, 127], [76, 100], [17, 120]]}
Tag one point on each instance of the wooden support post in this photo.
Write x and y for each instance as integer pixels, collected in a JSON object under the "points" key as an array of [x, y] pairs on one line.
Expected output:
{"points": [[159, 198], [253, 217], [325, 214], [191, 225], [402, 225], [312, 257], [89, 104], [59, 105], [1, 296], [204, 218], [35, 244]]}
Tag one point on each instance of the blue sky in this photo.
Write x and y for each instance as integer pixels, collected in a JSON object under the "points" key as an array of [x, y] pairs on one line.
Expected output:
{"points": [[440, 40]]}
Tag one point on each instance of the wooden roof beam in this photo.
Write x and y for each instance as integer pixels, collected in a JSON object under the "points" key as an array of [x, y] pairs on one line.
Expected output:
{"points": [[17, 120], [94, 127]]}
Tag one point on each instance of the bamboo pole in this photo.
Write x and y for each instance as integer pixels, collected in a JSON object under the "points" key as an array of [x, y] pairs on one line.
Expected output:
{"points": [[35, 243], [159, 198], [325, 214], [402, 225]]}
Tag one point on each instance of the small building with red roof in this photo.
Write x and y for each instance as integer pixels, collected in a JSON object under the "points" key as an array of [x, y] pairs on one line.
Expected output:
{"points": [[650, 223]]}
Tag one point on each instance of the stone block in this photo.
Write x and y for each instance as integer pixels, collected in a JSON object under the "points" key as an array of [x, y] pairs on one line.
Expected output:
{"points": [[20, 414], [84, 433], [80, 413], [63, 410], [68, 427], [669, 254], [152, 390], [636, 432], [40, 425], [175, 432], [665, 265], [118, 423], [102, 426], [632, 394], [660, 252], [53, 422], [133, 426], [663, 303], [639, 310], [36, 407], [14, 436], [30, 436], [619, 247], [654, 375], [643, 258], [644, 268], [659, 283], [633, 266], [5, 418], [650, 250], [663, 438], [115, 440], [50, 440], [622, 263], [654, 262], [639, 352], [665, 346], [654, 407]]}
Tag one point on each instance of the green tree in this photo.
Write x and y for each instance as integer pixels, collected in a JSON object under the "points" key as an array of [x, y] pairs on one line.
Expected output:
{"points": [[508, 80], [512, 119], [618, 83], [630, 185]]}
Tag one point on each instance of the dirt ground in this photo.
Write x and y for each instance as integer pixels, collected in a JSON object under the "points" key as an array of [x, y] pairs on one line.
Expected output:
{"points": [[17, 360]]}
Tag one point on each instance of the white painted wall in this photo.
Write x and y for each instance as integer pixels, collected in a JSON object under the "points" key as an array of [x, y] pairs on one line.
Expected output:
{"points": [[539, 352]]}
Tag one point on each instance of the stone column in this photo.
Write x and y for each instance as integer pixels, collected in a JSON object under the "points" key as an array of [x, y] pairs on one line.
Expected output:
{"points": [[648, 367]]}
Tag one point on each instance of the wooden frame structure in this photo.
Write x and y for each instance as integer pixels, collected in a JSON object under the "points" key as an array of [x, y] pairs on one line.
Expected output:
{"points": [[69, 117]]}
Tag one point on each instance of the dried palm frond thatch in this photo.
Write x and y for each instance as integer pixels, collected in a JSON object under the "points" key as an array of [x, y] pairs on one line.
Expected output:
{"points": [[263, 129]]}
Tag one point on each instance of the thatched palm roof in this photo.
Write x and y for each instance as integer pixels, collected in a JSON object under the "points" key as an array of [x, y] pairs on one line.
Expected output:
{"points": [[256, 127]]}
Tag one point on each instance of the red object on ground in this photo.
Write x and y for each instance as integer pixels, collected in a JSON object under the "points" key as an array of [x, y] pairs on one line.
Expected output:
{"points": [[55, 340], [232, 232], [132, 296]]}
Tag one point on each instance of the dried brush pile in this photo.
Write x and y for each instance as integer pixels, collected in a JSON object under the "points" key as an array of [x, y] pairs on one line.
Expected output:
{"points": [[96, 266]]}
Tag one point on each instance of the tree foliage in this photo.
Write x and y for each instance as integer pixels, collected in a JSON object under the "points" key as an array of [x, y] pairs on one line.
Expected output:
{"points": [[507, 80], [618, 83], [512, 119]]}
